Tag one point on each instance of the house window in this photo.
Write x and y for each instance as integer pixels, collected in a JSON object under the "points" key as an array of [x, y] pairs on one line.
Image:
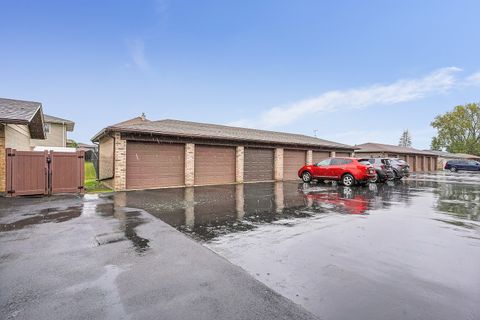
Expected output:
{"points": [[46, 127]]}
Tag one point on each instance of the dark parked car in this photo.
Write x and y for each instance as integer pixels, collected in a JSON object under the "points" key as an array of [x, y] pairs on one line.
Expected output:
{"points": [[465, 165], [348, 171], [400, 168], [383, 168]]}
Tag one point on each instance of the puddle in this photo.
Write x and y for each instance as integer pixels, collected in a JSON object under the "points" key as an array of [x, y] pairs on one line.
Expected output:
{"points": [[49, 215], [128, 221], [206, 213]]}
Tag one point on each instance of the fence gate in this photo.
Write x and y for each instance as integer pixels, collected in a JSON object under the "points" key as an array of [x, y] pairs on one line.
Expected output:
{"points": [[27, 172], [66, 172], [43, 172]]}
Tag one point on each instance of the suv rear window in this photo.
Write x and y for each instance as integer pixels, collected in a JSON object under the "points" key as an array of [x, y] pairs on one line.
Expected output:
{"points": [[340, 161], [457, 162]]}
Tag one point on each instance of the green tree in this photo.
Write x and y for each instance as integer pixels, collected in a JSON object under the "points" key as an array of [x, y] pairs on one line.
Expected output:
{"points": [[458, 130], [405, 139], [72, 143]]}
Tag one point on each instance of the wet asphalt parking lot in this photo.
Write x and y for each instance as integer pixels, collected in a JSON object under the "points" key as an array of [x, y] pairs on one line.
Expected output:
{"points": [[404, 250]]}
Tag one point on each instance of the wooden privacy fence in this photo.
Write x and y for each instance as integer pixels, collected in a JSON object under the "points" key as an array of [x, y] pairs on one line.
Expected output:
{"points": [[44, 173]]}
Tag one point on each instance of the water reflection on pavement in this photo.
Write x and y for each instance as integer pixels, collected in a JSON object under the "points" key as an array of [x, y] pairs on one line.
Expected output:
{"points": [[405, 250], [408, 250]]}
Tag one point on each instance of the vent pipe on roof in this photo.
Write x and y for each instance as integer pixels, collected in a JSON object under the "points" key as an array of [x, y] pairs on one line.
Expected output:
{"points": [[143, 116]]}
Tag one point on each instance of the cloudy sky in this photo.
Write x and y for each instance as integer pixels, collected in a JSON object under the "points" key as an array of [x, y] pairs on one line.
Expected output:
{"points": [[352, 72]]}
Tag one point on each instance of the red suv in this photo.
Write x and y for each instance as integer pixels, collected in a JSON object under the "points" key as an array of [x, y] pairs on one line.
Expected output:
{"points": [[348, 171]]}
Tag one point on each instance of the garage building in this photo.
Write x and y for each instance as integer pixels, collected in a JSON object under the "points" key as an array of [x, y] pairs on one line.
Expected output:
{"points": [[419, 160], [144, 154]]}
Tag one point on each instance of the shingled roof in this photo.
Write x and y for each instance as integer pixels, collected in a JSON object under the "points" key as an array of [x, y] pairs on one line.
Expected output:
{"points": [[177, 128], [454, 155], [51, 119], [23, 112], [379, 147]]}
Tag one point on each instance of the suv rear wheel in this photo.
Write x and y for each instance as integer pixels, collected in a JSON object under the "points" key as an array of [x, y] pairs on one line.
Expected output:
{"points": [[348, 180], [453, 169]]}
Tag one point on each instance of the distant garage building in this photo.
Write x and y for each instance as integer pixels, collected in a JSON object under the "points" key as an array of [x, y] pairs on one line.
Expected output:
{"points": [[443, 157], [419, 160], [143, 154]]}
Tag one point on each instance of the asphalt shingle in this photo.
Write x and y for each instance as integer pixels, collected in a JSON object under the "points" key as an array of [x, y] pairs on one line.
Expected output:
{"points": [[212, 131]]}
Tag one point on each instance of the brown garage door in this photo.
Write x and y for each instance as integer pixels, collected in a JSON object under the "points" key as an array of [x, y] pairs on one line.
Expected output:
{"points": [[320, 155], [214, 164], [419, 166], [412, 163], [342, 154], [293, 160], [154, 165], [258, 164]]}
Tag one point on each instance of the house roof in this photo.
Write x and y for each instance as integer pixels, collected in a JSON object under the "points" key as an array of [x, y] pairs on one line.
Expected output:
{"points": [[51, 119], [23, 112], [136, 120], [86, 145], [445, 154], [177, 128], [467, 156], [379, 147]]}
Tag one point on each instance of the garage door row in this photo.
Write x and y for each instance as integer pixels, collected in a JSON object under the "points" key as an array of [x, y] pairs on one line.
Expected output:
{"points": [[152, 165], [421, 163]]}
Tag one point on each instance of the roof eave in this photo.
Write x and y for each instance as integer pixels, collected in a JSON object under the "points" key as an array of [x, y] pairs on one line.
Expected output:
{"points": [[128, 130], [100, 134], [13, 121]]}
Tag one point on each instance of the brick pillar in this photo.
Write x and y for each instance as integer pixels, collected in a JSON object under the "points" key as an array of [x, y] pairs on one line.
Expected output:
{"points": [[120, 175], [3, 160], [278, 164], [240, 201], [425, 165], [279, 198], [189, 164], [189, 197], [309, 159], [332, 154], [240, 158]]}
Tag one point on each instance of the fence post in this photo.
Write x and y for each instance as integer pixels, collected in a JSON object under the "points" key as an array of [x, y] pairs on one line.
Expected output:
{"points": [[9, 171], [81, 170], [48, 173]]}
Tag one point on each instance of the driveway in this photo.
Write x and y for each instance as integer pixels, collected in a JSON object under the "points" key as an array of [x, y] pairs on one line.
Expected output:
{"points": [[409, 250], [93, 258]]}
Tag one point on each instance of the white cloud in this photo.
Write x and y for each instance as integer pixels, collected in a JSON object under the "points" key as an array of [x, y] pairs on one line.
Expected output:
{"points": [[403, 90], [136, 49], [473, 80]]}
